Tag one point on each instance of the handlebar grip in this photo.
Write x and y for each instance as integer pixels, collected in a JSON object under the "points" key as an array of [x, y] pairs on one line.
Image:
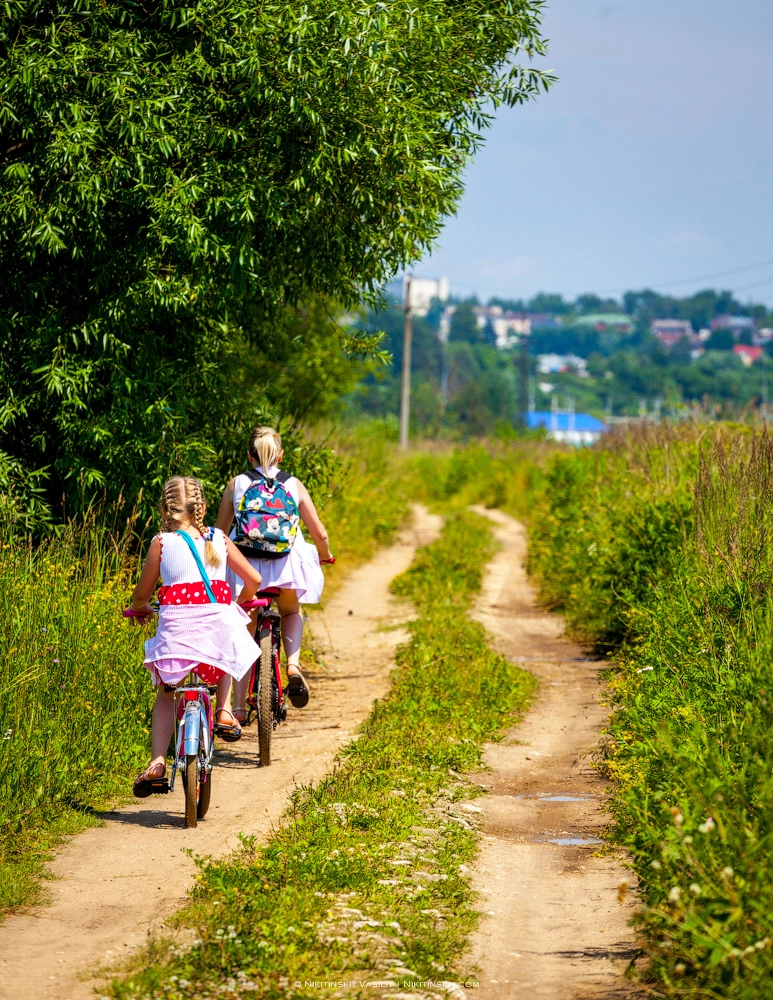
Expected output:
{"points": [[131, 613], [328, 562]]}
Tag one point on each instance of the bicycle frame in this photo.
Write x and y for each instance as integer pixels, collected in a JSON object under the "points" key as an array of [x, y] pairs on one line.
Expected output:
{"points": [[194, 729]]}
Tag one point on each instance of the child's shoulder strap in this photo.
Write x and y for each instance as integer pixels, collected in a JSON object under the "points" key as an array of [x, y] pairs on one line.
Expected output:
{"points": [[197, 558]]}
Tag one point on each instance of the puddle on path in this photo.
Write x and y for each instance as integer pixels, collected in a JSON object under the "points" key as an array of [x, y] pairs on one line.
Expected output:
{"points": [[569, 841], [557, 797]]}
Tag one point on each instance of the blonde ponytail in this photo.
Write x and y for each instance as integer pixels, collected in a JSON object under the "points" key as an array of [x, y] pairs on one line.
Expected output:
{"points": [[183, 503], [265, 447]]}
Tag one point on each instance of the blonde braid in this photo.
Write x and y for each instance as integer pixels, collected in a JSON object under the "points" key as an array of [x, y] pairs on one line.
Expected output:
{"points": [[173, 504], [183, 504], [198, 504]]}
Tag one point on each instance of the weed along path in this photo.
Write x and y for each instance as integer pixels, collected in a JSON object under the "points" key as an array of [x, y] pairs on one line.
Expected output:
{"points": [[552, 926], [116, 883]]}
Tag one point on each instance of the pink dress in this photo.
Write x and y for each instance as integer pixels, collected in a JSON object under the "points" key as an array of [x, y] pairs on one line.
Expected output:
{"points": [[192, 633]]}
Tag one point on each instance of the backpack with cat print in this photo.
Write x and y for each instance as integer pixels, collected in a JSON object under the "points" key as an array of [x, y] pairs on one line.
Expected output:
{"points": [[266, 517]]}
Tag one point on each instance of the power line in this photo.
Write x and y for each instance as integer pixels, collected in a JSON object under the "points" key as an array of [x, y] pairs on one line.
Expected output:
{"points": [[499, 291], [700, 277]]}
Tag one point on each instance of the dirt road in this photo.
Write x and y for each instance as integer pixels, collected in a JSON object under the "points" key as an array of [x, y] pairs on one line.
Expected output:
{"points": [[553, 925], [118, 882]]}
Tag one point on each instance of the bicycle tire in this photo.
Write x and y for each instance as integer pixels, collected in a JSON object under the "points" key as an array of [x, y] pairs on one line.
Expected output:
{"points": [[205, 794], [191, 787], [266, 701]]}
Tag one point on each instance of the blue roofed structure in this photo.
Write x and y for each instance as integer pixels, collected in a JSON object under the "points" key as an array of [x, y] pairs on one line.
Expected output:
{"points": [[568, 427]]}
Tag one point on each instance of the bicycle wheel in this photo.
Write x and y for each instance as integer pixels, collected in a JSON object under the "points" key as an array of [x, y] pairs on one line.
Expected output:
{"points": [[265, 704], [191, 789], [205, 793]]}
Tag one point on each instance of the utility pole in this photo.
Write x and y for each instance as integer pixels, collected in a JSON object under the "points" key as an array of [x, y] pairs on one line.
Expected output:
{"points": [[405, 400], [524, 387]]}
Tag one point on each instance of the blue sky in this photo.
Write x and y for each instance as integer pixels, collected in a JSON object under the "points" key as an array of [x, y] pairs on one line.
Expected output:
{"points": [[650, 161]]}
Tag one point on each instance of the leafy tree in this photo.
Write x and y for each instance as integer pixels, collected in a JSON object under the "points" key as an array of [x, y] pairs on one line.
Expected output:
{"points": [[177, 178], [720, 340], [549, 303], [464, 325]]}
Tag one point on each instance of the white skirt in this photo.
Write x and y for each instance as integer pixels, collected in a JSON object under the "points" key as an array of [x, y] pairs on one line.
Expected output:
{"points": [[299, 571]]}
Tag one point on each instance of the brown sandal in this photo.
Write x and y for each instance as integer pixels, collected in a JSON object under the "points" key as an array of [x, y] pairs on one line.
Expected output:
{"points": [[231, 733], [149, 784]]}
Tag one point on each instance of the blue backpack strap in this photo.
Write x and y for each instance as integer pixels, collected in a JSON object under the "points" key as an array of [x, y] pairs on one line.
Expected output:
{"points": [[200, 564]]}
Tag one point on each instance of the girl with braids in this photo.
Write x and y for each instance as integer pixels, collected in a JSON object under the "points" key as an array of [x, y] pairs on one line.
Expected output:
{"points": [[297, 574], [193, 633]]}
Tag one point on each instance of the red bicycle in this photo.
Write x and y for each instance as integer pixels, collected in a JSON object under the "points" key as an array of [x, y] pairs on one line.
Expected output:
{"points": [[265, 696]]}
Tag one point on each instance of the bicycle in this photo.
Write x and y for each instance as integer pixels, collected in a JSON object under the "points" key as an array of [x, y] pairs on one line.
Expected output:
{"points": [[265, 696], [194, 742]]}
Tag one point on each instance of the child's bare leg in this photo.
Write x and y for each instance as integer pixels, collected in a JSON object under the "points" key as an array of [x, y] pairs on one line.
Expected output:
{"points": [[242, 685], [163, 725], [292, 629]]}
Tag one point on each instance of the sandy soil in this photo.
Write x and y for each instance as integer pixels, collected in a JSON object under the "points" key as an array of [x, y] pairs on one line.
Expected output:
{"points": [[117, 883], [553, 926]]}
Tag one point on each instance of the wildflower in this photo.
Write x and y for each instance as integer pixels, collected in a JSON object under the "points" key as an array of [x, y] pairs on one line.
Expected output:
{"points": [[762, 944], [707, 826], [675, 894], [56, 661], [695, 889], [688, 839], [680, 968], [678, 820], [727, 872], [644, 670], [655, 864]]}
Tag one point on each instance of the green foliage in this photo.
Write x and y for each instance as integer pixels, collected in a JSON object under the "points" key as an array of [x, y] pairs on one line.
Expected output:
{"points": [[74, 711], [324, 898], [720, 340], [176, 179], [660, 548]]}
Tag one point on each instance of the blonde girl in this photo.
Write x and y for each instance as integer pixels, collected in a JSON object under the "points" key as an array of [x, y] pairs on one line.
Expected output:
{"points": [[297, 575], [192, 633]]}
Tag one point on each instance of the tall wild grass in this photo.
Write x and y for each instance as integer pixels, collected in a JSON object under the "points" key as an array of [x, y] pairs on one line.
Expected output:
{"points": [[659, 548], [73, 700]]}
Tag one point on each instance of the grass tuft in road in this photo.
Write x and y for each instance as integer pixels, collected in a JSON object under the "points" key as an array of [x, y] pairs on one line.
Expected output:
{"points": [[367, 876]]}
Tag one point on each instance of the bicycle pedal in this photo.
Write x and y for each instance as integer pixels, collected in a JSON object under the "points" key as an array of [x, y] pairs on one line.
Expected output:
{"points": [[159, 786]]}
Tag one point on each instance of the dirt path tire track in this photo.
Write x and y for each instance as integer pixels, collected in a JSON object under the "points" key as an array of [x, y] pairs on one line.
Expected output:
{"points": [[553, 926], [117, 883]]}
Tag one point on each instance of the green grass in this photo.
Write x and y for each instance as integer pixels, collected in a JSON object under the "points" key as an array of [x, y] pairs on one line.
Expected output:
{"points": [[659, 549], [74, 704], [366, 876], [75, 700]]}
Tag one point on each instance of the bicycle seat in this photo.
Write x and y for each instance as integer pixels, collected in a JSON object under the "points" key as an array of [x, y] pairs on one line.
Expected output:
{"points": [[269, 592]]}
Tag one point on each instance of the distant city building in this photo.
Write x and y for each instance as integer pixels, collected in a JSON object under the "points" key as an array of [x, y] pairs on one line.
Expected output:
{"points": [[736, 324], [747, 353], [606, 321], [671, 331], [423, 291], [543, 321], [549, 364], [508, 326], [567, 427], [763, 336]]}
